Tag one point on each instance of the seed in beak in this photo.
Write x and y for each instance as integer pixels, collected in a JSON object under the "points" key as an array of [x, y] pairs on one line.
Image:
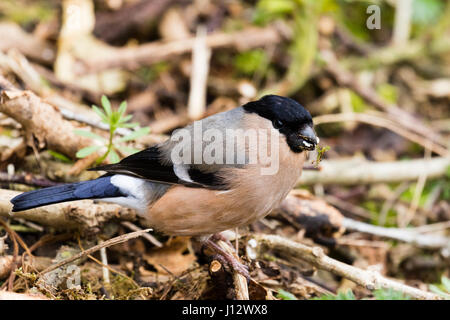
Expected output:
{"points": [[306, 144]]}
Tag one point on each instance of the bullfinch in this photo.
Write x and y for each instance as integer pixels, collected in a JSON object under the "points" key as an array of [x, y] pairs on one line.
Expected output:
{"points": [[221, 172]]}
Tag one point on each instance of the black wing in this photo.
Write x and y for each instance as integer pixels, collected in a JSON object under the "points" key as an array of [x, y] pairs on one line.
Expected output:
{"points": [[149, 164]]}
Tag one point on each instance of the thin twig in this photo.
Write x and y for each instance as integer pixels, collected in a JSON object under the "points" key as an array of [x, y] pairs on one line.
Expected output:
{"points": [[408, 235], [147, 236], [104, 258], [27, 179], [108, 243], [12, 236], [417, 193], [369, 279], [399, 115], [357, 171], [380, 120]]}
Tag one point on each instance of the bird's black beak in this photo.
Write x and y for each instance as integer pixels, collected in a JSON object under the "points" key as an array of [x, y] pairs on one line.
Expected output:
{"points": [[308, 139]]}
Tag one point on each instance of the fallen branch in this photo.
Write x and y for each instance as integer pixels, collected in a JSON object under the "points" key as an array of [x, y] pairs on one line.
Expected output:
{"points": [[42, 122], [111, 26], [302, 210], [368, 279], [79, 215], [14, 37], [26, 179], [134, 57], [357, 171], [17, 63], [4, 295], [408, 235]]}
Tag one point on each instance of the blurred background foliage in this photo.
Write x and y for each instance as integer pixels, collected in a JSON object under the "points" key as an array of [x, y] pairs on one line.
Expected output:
{"points": [[324, 56]]}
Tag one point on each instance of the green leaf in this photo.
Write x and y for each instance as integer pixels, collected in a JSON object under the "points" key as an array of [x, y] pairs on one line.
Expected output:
{"points": [[426, 12], [347, 295], [135, 134], [389, 294], [128, 149], [100, 113], [284, 295], [129, 125], [446, 282], [88, 134], [122, 108], [251, 61], [59, 156], [438, 291], [106, 105], [268, 10], [126, 118], [113, 156], [87, 151]]}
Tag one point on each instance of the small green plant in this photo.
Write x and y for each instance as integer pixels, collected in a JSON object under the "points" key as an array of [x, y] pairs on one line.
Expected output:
{"points": [[59, 156], [341, 295], [285, 295], [320, 153], [379, 294], [114, 119], [250, 62], [442, 289], [389, 294]]}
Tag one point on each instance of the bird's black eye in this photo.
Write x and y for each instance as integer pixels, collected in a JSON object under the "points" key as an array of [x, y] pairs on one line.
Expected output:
{"points": [[277, 124]]}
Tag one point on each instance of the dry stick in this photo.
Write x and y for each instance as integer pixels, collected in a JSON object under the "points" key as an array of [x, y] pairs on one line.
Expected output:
{"points": [[18, 238], [387, 205], [13, 36], [346, 79], [114, 25], [27, 179], [22, 68], [105, 266], [348, 206], [21, 296], [12, 236], [380, 121], [439, 226], [41, 121], [108, 243], [215, 266], [417, 193], [134, 57], [147, 236], [201, 55], [369, 279], [83, 214], [408, 235], [357, 171], [37, 264], [240, 282], [402, 22], [104, 258]]}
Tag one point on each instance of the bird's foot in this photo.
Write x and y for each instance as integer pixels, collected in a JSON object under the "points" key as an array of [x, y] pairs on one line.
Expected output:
{"points": [[228, 259]]}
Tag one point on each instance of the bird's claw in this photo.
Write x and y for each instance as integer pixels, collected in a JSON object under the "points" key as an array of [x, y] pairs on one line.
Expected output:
{"points": [[233, 264]]}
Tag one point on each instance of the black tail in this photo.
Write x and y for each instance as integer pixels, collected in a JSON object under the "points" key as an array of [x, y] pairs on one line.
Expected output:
{"points": [[92, 189]]}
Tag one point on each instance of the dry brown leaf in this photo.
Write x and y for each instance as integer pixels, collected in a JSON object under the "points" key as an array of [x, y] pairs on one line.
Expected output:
{"points": [[175, 257]]}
